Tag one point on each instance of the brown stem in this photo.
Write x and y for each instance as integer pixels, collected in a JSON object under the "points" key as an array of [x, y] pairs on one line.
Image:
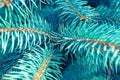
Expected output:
{"points": [[25, 30], [104, 43], [42, 69], [77, 12], [6, 3]]}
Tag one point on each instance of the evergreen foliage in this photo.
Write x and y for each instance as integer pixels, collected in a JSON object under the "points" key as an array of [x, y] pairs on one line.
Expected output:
{"points": [[59, 40]]}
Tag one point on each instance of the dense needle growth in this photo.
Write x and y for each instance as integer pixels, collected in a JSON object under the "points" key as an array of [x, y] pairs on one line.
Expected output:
{"points": [[59, 39]]}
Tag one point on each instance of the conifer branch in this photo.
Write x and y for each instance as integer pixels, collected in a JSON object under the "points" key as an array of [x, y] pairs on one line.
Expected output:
{"points": [[42, 68], [25, 30], [77, 12], [89, 40]]}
